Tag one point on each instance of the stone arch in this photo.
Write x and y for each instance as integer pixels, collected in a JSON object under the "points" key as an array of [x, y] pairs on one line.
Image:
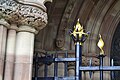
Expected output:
{"points": [[103, 21], [115, 50]]}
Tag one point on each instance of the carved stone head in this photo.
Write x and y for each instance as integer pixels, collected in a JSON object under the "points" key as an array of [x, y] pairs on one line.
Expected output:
{"points": [[60, 42]]}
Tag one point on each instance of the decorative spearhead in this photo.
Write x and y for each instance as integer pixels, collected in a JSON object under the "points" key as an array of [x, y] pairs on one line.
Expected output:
{"points": [[78, 29], [78, 34], [101, 45], [78, 26]]}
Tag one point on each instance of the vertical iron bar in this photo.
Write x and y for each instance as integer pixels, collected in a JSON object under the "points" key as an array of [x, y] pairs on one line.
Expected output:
{"points": [[78, 51], [90, 64], [80, 61], [101, 66], [65, 65], [112, 73], [45, 70], [55, 67], [36, 66]]}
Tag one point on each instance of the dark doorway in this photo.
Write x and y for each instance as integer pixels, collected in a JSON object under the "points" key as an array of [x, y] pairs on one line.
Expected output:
{"points": [[115, 51]]}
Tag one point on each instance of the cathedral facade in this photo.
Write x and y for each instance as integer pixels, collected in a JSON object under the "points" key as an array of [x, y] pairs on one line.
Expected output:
{"points": [[28, 27]]}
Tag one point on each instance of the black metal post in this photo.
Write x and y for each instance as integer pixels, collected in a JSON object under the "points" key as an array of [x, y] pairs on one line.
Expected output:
{"points": [[56, 68], [90, 64], [36, 67], [78, 37], [80, 61], [112, 73], [77, 61], [45, 70], [101, 66], [78, 51], [66, 66]]}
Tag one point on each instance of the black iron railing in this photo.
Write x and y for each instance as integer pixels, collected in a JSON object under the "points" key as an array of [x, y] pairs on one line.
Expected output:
{"points": [[78, 37]]}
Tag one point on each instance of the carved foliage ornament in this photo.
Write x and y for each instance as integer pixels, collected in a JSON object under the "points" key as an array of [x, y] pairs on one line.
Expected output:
{"points": [[29, 15], [22, 14], [7, 7]]}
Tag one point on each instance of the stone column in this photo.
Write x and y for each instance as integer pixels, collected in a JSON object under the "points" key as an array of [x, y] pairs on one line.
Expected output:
{"points": [[29, 16], [10, 52], [3, 34], [24, 53]]}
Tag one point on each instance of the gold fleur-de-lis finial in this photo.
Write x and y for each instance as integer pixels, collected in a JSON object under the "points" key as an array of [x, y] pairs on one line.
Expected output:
{"points": [[101, 45], [78, 29], [78, 26], [78, 34]]}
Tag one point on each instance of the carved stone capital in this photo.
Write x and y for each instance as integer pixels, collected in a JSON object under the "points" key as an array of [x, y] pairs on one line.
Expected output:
{"points": [[37, 3], [30, 16], [7, 7], [3, 22], [13, 27], [20, 14], [27, 29]]}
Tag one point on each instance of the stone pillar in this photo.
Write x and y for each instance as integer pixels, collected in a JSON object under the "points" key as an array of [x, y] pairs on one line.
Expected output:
{"points": [[29, 16], [3, 34], [24, 53], [10, 53]]}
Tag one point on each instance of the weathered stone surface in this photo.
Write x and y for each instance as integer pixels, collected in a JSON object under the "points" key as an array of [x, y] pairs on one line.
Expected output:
{"points": [[20, 14]]}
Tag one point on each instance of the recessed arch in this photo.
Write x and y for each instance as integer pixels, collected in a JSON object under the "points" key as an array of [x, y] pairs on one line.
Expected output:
{"points": [[115, 50]]}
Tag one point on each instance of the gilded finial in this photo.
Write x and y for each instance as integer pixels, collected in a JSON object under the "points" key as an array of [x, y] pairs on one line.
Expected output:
{"points": [[101, 45], [78, 29], [78, 26], [78, 34]]}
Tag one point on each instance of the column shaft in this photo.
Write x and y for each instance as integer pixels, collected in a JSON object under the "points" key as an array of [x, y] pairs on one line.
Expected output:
{"points": [[24, 56], [3, 32], [10, 54]]}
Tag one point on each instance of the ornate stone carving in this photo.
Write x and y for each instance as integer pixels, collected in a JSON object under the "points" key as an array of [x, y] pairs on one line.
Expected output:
{"points": [[3, 22], [29, 15], [37, 3], [68, 9], [7, 7], [23, 14], [60, 43], [63, 24], [86, 61]]}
